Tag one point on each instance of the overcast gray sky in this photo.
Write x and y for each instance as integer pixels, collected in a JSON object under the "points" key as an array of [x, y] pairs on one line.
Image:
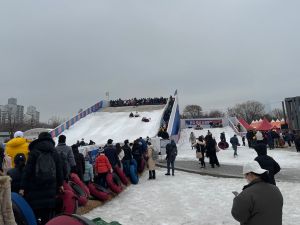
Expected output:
{"points": [[63, 55]]}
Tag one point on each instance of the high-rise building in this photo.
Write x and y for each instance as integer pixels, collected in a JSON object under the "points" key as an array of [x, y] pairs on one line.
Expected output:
{"points": [[33, 114], [12, 112]]}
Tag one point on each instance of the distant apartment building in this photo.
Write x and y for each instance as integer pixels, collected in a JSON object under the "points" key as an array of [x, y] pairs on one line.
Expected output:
{"points": [[12, 112], [32, 115]]}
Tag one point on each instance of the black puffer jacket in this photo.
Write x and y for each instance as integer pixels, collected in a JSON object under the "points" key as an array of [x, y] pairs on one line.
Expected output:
{"points": [[41, 196], [79, 169], [266, 162], [127, 153]]}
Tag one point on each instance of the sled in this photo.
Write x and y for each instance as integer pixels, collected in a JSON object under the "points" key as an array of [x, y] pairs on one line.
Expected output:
{"points": [[97, 192], [121, 175], [72, 219], [114, 183], [22, 210], [223, 145]]}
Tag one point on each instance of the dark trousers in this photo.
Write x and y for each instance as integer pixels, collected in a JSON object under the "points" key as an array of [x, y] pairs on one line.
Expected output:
{"points": [[202, 159], [101, 179], [169, 165], [151, 174], [213, 159]]}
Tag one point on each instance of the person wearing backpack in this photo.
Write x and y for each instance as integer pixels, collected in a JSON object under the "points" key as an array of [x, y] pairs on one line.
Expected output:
{"points": [[67, 156], [171, 150], [42, 178]]}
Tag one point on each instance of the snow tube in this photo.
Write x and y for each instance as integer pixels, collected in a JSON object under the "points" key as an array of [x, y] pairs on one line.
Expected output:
{"points": [[113, 182], [80, 193], [133, 172], [223, 145], [74, 177], [142, 166], [22, 211], [67, 202], [70, 220], [121, 174], [97, 192]]}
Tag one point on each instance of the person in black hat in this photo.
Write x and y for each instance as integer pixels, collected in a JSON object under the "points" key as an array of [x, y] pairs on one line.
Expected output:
{"points": [[17, 172], [42, 178], [127, 157], [111, 153]]}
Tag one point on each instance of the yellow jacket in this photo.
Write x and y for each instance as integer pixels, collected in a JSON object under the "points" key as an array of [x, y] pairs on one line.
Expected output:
{"points": [[16, 146]]}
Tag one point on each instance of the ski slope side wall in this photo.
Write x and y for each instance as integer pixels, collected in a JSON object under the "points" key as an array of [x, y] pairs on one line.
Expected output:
{"points": [[66, 125], [174, 121]]}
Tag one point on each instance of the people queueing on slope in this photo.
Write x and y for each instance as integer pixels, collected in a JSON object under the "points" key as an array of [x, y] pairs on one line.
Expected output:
{"points": [[200, 150], [120, 153], [235, 143], [91, 142], [222, 137], [171, 151], [150, 161], [266, 162], [137, 102], [102, 168], [80, 162], [260, 203], [42, 178], [88, 175], [17, 172], [211, 151], [127, 157], [66, 155], [192, 139]]}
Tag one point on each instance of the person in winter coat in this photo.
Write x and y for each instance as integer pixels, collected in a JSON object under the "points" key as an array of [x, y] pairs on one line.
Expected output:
{"points": [[119, 151], [6, 211], [211, 151], [5, 162], [222, 137], [80, 162], [266, 162], [111, 153], [260, 203], [150, 161], [235, 143], [270, 140], [102, 168], [17, 172], [171, 151], [67, 156], [200, 149], [137, 152], [297, 142], [192, 139], [250, 138], [88, 171], [17, 145], [42, 177], [127, 157]]}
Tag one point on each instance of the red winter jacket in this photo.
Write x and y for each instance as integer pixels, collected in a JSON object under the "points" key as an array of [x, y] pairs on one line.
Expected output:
{"points": [[102, 164]]}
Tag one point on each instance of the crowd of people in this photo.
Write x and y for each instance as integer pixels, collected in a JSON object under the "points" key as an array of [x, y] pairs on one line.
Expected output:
{"points": [[138, 102], [40, 175]]}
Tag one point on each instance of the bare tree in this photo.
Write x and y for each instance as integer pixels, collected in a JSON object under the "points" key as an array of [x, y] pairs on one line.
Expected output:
{"points": [[277, 113], [192, 111], [55, 121], [216, 113], [250, 110]]}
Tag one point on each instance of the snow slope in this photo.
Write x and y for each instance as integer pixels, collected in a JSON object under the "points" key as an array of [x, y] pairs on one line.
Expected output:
{"points": [[285, 157], [186, 199], [101, 126]]}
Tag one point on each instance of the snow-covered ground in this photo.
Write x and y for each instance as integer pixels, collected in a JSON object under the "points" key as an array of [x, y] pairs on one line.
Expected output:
{"points": [[285, 157], [186, 199], [101, 126]]}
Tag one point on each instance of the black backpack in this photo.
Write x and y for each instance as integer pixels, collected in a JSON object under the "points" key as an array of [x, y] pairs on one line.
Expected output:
{"points": [[45, 168]]}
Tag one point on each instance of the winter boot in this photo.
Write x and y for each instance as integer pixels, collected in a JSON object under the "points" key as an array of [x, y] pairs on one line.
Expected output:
{"points": [[150, 175], [153, 174]]}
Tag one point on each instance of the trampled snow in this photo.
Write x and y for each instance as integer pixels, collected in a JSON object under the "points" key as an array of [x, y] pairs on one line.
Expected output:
{"points": [[101, 126], [186, 199], [285, 157]]}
